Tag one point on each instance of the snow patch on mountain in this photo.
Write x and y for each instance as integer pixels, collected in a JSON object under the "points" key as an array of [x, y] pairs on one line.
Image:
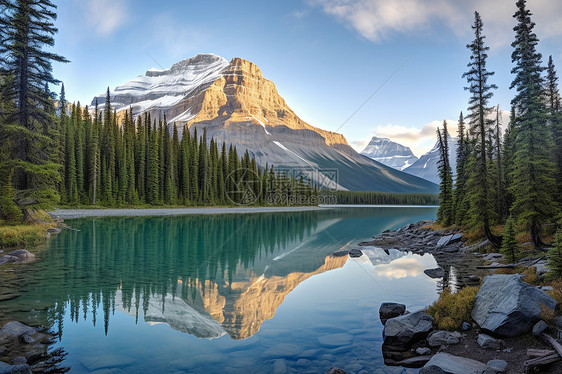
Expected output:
{"points": [[389, 153], [165, 88]]}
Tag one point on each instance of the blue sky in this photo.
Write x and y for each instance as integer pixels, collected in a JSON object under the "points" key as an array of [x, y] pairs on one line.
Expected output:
{"points": [[326, 57]]}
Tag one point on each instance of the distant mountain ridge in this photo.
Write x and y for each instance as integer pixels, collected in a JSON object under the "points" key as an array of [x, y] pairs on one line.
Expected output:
{"points": [[427, 165], [238, 106], [389, 153]]}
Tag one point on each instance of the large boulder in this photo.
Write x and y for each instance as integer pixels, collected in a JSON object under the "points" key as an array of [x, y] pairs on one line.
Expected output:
{"points": [[407, 329], [439, 338], [444, 363], [391, 310], [15, 330], [14, 369], [507, 306]]}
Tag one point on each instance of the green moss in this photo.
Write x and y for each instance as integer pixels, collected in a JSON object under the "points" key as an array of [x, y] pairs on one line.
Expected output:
{"points": [[452, 309]]}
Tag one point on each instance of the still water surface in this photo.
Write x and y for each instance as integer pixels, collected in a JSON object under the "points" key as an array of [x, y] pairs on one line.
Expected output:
{"points": [[248, 293]]}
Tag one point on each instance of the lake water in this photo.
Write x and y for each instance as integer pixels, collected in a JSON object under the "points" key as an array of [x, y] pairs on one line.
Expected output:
{"points": [[233, 293]]}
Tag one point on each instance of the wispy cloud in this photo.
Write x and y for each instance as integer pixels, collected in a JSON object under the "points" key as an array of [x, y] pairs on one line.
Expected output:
{"points": [[174, 38], [106, 16], [419, 139], [377, 20]]}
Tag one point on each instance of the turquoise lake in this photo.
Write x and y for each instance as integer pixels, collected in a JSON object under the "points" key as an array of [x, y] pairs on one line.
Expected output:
{"points": [[231, 293]]}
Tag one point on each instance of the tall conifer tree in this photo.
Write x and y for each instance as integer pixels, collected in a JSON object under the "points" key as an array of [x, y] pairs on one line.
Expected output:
{"points": [[533, 182]]}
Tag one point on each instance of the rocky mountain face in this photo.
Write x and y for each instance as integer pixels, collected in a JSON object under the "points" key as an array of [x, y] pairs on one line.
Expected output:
{"points": [[389, 153], [426, 166], [238, 106]]}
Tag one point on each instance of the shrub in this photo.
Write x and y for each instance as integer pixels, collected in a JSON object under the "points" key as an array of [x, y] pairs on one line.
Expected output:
{"points": [[556, 292], [452, 309], [530, 276], [22, 235], [554, 256], [510, 249]]}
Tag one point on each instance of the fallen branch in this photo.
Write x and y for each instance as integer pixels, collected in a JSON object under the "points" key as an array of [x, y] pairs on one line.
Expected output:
{"points": [[553, 343], [534, 353], [509, 266], [541, 361]]}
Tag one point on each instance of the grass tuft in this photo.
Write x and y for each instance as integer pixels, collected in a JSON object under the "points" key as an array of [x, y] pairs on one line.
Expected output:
{"points": [[452, 309], [22, 235]]}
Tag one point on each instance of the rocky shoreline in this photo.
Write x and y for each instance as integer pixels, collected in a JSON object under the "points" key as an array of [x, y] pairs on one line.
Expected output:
{"points": [[506, 325], [25, 350]]}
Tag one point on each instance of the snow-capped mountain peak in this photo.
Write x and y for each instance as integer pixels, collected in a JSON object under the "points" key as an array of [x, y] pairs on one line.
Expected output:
{"points": [[389, 153]]}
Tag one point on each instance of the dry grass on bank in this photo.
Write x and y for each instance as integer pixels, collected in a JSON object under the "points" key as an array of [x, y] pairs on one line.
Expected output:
{"points": [[452, 309]]}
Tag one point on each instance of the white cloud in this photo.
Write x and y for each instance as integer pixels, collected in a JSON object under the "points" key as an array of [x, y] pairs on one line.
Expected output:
{"points": [[106, 16], [419, 139], [376, 20]]}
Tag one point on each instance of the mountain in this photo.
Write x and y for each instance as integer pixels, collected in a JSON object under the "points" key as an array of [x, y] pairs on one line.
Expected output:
{"points": [[389, 153], [426, 166], [238, 106]]}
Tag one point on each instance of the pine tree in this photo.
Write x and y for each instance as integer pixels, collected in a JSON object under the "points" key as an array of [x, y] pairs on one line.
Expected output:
{"points": [[79, 140], [445, 212], [140, 159], [94, 151], [478, 184], [509, 156], [533, 182], [555, 121], [169, 170], [510, 248], [501, 206], [27, 30], [70, 160], [460, 203], [152, 175], [554, 255]]}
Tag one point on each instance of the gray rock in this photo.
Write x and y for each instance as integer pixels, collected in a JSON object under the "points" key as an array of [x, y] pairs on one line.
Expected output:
{"points": [[435, 273], [422, 351], [438, 338], [539, 327], [391, 310], [456, 238], [340, 253], [444, 241], [336, 371], [14, 369], [507, 306], [542, 267], [444, 363], [15, 329], [335, 340], [413, 362], [493, 256], [487, 342], [497, 366], [465, 326], [355, 252], [27, 339], [545, 288], [22, 255], [8, 260], [19, 360], [96, 362], [406, 329], [558, 322], [282, 350], [3, 350]]}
